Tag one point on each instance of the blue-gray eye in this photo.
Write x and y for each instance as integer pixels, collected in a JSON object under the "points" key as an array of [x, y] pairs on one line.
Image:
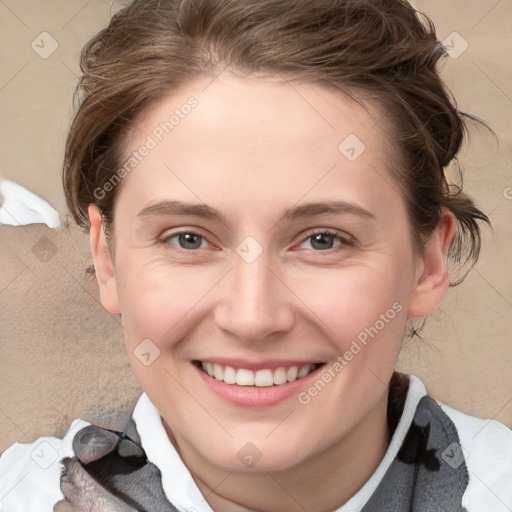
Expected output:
{"points": [[324, 240], [187, 240]]}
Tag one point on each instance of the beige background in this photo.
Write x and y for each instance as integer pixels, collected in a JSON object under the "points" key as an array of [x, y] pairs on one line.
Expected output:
{"points": [[62, 355]]}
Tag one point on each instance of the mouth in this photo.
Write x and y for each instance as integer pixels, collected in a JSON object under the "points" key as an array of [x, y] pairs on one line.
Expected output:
{"points": [[263, 377], [256, 385]]}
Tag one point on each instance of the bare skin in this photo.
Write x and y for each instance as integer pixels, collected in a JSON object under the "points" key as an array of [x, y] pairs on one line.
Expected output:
{"points": [[253, 148]]}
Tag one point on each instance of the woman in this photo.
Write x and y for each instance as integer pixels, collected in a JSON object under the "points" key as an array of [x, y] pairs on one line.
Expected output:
{"points": [[263, 183]]}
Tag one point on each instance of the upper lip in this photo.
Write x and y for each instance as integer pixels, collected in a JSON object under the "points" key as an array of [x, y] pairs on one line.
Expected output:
{"points": [[259, 365]]}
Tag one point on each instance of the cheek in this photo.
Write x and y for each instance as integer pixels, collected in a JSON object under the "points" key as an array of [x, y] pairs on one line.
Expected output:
{"points": [[164, 301], [347, 301], [158, 300]]}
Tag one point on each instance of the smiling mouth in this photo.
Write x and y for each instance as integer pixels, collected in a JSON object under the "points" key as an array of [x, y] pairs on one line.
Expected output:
{"points": [[261, 378]]}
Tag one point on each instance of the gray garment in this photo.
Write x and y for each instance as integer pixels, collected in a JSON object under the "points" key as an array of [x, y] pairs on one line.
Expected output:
{"points": [[429, 474]]}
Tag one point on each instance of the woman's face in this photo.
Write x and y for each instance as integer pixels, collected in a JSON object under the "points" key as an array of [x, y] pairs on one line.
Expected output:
{"points": [[220, 259]]}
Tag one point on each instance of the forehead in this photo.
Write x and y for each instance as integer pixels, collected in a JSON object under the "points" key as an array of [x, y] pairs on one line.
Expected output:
{"points": [[266, 135], [256, 109]]}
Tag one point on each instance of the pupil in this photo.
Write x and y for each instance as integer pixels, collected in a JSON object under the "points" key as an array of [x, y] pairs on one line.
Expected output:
{"points": [[321, 241], [318, 239], [187, 240]]}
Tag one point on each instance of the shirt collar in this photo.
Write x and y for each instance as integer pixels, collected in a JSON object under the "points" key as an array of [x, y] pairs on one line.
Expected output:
{"points": [[181, 489]]}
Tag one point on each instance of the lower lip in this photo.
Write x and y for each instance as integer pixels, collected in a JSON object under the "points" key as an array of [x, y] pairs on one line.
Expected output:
{"points": [[254, 396]]}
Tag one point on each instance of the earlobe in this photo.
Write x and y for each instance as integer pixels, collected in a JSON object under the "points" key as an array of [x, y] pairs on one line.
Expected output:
{"points": [[103, 263], [433, 281]]}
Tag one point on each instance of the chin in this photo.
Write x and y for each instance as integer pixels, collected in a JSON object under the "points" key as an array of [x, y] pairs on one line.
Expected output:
{"points": [[260, 455], [259, 461]]}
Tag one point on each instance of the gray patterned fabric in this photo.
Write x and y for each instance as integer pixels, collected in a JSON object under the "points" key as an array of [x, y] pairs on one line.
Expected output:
{"points": [[429, 474], [111, 472]]}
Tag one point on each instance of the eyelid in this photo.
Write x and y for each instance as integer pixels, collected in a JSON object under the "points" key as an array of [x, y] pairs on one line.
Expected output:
{"points": [[345, 238], [327, 231], [164, 239]]}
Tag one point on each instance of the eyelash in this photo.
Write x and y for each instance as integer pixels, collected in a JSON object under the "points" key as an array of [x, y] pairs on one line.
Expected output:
{"points": [[344, 240]]}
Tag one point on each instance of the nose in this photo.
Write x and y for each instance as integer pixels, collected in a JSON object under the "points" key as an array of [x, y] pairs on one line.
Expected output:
{"points": [[256, 305]]}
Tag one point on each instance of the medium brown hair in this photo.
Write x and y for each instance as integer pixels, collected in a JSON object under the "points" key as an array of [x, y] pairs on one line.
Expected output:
{"points": [[378, 50]]}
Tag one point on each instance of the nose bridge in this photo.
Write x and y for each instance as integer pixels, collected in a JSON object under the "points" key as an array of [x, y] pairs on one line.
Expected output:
{"points": [[253, 305]]}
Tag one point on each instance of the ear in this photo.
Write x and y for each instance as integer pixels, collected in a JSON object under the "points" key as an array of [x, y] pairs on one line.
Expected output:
{"points": [[433, 280], [103, 263]]}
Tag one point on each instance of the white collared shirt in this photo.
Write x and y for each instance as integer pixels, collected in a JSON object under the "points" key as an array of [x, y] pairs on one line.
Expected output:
{"points": [[30, 472]]}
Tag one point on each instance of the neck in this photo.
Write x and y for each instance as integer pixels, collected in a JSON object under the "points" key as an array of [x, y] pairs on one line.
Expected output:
{"points": [[320, 484]]}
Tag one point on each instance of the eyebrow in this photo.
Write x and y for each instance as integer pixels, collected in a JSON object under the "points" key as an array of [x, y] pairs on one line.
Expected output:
{"points": [[170, 207]]}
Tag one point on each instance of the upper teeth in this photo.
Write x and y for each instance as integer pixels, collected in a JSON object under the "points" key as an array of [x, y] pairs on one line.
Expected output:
{"points": [[260, 378]]}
